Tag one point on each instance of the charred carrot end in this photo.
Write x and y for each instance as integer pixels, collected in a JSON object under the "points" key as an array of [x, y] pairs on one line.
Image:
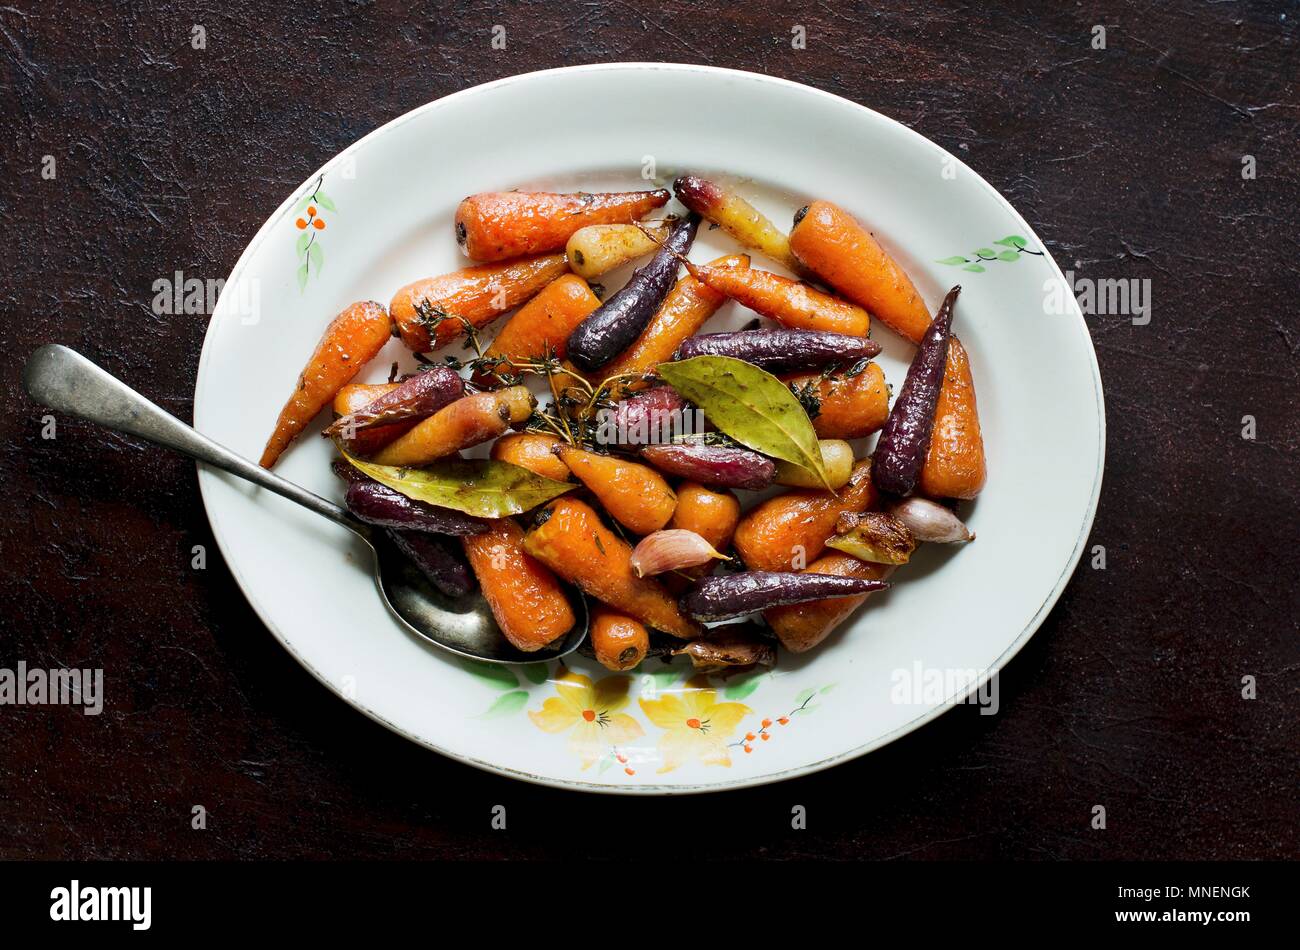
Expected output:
{"points": [[466, 422], [790, 302], [837, 249], [786, 532], [635, 495], [527, 601], [352, 340], [846, 407], [688, 306], [725, 208], [954, 465], [430, 313], [541, 326], [570, 539], [619, 641], [801, 627], [496, 225], [533, 451]]}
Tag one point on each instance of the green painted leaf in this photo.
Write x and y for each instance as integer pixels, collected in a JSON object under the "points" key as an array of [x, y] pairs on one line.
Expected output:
{"points": [[985, 252], [493, 674], [750, 405], [481, 487], [316, 255], [1013, 240], [605, 763], [302, 243], [803, 697], [744, 685], [825, 689], [1009, 256], [974, 268], [536, 672], [302, 276], [664, 678], [506, 705], [952, 260], [325, 202]]}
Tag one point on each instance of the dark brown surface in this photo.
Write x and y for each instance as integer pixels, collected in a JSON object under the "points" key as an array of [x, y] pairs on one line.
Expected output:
{"points": [[1126, 161]]}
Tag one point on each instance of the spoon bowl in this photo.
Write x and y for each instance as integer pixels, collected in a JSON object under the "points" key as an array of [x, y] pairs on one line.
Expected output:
{"points": [[64, 380]]}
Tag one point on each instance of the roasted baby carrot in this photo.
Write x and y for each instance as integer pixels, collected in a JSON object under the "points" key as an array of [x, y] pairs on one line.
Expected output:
{"points": [[791, 303], [429, 312], [599, 248], [635, 495], [687, 307], [570, 539], [847, 407], [527, 601], [619, 641], [787, 531], [495, 225], [465, 422], [712, 513], [541, 326], [365, 442], [352, 340], [835, 248], [801, 627], [725, 208], [954, 464], [533, 451]]}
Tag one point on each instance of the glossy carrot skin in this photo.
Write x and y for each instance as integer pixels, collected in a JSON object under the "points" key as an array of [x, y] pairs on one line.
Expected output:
{"points": [[954, 464], [570, 539], [687, 307], [736, 216], [466, 422], [710, 512], [634, 495], [723, 466], [356, 396], [734, 595], [781, 351], [352, 340], [905, 439], [542, 325], [419, 395], [497, 225], [527, 601], [800, 627], [833, 246], [850, 407], [533, 451], [428, 312], [791, 303], [619, 641]]}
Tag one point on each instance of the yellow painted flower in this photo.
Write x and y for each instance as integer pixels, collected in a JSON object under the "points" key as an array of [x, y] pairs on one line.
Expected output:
{"points": [[591, 712], [695, 725]]}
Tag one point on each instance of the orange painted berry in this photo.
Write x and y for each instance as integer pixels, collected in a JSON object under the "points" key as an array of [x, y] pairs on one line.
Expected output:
{"points": [[766, 723], [301, 223], [311, 211], [318, 224], [749, 748], [784, 721], [621, 758], [766, 736], [630, 771], [749, 736]]}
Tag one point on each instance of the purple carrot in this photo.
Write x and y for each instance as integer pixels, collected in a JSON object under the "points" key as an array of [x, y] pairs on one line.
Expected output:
{"points": [[421, 394], [721, 466], [380, 505], [734, 595], [438, 559], [614, 325], [655, 415], [781, 351], [905, 439]]}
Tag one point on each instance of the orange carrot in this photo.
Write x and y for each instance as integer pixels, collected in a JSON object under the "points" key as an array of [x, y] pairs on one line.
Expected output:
{"points": [[365, 442], [352, 340], [542, 325], [835, 248], [801, 627], [495, 225], [467, 421], [686, 308], [619, 641], [849, 407], [954, 465], [570, 539], [429, 312], [791, 303], [533, 451], [527, 601], [635, 495]]}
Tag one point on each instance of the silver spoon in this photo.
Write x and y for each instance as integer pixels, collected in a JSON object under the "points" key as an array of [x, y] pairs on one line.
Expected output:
{"points": [[64, 380]]}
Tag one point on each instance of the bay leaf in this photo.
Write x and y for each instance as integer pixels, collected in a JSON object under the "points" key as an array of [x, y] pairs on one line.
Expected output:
{"points": [[750, 405], [482, 487]]}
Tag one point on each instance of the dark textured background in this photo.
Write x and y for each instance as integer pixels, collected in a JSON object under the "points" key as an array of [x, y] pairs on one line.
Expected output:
{"points": [[1127, 161]]}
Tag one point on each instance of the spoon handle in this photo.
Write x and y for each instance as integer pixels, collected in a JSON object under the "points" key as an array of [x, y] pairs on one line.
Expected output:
{"points": [[64, 380]]}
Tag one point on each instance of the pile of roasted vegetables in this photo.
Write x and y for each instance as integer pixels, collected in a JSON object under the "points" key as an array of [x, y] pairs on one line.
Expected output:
{"points": [[623, 480]]}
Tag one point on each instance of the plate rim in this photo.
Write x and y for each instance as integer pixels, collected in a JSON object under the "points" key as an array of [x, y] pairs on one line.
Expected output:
{"points": [[207, 476]]}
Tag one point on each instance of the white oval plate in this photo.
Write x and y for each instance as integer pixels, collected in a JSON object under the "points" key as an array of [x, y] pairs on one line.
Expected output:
{"points": [[387, 203]]}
